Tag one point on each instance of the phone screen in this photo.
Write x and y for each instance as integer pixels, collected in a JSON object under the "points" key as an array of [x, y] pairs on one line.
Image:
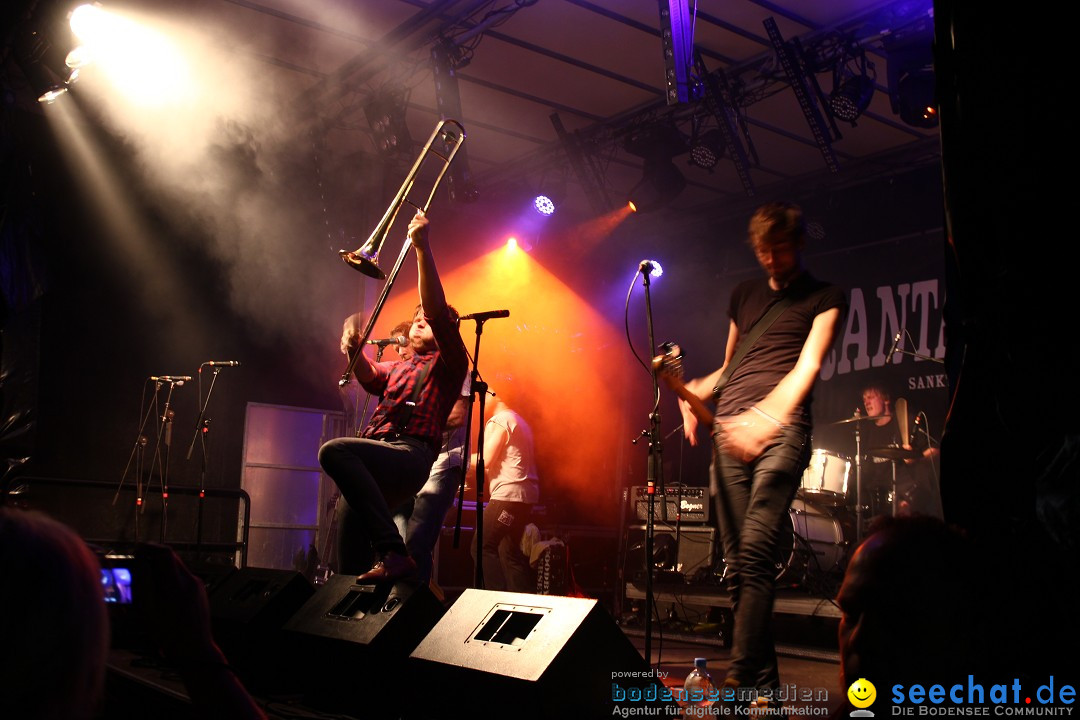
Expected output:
{"points": [[116, 582]]}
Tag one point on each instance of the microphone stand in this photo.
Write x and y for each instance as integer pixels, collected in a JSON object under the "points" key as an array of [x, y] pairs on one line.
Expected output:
{"points": [[138, 453], [859, 510], [476, 385], [202, 429], [900, 350], [655, 472], [165, 438]]}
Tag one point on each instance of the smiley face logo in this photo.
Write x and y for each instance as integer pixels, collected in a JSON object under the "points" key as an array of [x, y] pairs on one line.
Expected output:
{"points": [[862, 693]]}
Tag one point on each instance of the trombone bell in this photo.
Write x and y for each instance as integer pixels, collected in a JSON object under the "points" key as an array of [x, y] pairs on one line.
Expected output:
{"points": [[366, 258], [360, 260]]}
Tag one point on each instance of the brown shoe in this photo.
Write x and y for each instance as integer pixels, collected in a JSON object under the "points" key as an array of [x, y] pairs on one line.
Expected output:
{"points": [[437, 591], [392, 567]]}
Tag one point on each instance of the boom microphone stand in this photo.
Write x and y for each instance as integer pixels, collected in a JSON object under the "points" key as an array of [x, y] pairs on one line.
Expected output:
{"points": [[476, 385], [164, 437], [202, 429], [138, 454]]}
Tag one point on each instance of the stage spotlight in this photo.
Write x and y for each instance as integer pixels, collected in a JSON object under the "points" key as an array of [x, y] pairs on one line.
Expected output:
{"points": [[708, 150], [78, 57], [52, 94], [38, 48], [89, 21], [850, 99], [912, 87], [515, 244], [660, 184], [657, 143], [385, 113], [544, 205], [916, 97], [853, 81]]}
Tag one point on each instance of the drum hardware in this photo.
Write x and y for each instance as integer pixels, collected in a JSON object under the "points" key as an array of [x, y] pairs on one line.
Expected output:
{"points": [[894, 453], [811, 551], [858, 418]]}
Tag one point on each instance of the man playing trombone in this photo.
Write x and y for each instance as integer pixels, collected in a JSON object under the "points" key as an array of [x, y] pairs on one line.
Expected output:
{"points": [[391, 459]]}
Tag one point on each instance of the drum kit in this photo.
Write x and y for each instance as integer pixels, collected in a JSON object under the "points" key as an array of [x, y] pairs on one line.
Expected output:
{"points": [[826, 518]]}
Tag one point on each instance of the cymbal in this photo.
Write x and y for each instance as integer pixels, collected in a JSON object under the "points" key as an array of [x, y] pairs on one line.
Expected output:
{"points": [[894, 453], [859, 418]]}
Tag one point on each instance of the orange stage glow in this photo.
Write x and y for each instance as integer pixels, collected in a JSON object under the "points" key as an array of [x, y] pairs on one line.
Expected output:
{"points": [[555, 360], [589, 234]]}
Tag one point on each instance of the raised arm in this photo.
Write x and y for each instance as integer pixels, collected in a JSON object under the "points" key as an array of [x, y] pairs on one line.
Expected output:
{"points": [[431, 290], [433, 300], [364, 369]]}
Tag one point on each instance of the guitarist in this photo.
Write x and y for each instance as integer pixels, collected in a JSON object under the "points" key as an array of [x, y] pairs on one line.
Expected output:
{"points": [[761, 426]]}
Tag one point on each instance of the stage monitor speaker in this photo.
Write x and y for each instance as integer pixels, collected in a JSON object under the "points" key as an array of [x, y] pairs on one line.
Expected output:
{"points": [[360, 631], [503, 654], [260, 598], [691, 555], [248, 609]]}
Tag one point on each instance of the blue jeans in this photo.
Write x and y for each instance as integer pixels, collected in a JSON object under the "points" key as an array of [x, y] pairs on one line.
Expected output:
{"points": [[753, 498], [373, 476], [420, 519]]}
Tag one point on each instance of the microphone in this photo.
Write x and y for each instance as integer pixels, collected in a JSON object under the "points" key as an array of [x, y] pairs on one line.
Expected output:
{"points": [[486, 315], [222, 363], [396, 340], [178, 379], [892, 350], [650, 267], [915, 428]]}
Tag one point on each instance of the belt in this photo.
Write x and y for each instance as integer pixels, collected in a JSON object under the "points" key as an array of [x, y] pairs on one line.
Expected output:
{"points": [[428, 443]]}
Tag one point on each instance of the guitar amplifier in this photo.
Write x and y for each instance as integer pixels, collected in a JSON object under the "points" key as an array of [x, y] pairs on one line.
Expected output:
{"points": [[693, 501]]}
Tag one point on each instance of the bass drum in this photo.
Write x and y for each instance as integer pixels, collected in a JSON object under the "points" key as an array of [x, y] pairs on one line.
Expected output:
{"points": [[814, 543]]}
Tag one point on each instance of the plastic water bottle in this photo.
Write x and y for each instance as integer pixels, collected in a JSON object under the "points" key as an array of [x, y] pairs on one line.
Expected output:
{"points": [[699, 686]]}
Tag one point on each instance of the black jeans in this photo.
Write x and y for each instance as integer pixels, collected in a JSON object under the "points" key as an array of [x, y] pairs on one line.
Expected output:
{"points": [[373, 476], [505, 566], [753, 498]]}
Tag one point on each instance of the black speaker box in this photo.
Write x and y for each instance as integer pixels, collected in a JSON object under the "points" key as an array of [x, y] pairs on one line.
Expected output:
{"points": [[362, 636], [248, 608], [503, 654], [693, 551]]}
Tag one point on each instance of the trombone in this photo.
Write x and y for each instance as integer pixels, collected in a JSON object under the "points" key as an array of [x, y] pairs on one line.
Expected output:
{"points": [[365, 259]]}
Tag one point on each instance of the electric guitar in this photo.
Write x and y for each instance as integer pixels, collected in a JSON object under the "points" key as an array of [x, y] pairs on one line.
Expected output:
{"points": [[668, 367]]}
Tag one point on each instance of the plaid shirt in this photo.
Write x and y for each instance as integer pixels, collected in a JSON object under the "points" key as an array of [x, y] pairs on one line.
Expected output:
{"points": [[441, 371]]}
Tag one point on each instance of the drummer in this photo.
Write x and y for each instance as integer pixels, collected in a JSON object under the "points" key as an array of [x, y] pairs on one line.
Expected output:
{"points": [[881, 431]]}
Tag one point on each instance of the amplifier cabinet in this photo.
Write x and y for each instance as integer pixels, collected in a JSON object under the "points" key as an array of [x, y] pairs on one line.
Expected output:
{"points": [[693, 501], [694, 551]]}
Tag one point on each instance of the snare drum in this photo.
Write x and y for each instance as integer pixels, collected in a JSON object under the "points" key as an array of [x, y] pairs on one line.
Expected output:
{"points": [[814, 542], [825, 479]]}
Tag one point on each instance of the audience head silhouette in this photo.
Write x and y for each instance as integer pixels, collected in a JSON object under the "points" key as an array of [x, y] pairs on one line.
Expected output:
{"points": [[54, 627], [910, 604]]}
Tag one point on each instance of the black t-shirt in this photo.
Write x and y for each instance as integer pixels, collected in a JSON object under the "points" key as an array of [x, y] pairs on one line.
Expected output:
{"points": [[777, 350]]}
